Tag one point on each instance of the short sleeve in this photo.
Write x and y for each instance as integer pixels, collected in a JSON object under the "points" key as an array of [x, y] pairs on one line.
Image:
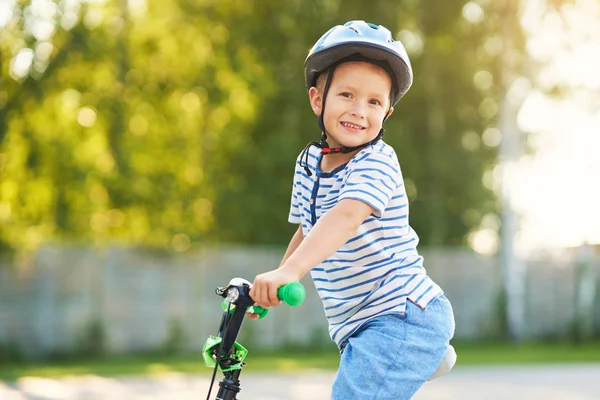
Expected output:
{"points": [[373, 180], [295, 216]]}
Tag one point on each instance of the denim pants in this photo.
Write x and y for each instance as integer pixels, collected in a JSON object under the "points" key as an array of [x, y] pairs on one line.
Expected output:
{"points": [[392, 356]]}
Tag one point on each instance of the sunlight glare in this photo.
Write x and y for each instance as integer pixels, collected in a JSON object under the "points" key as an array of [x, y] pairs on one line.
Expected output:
{"points": [[555, 190]]}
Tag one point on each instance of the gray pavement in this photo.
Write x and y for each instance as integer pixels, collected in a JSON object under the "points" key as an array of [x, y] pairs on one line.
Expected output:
{"points": [[549, 382]]}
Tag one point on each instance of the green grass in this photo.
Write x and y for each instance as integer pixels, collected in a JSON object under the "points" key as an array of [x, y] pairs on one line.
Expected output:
{"points": [[527, 353], [468, 353], [149, 365]]}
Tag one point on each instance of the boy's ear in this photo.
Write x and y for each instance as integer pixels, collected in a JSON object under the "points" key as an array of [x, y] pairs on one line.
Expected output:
{"points": [[391, 110], [316, 100]]}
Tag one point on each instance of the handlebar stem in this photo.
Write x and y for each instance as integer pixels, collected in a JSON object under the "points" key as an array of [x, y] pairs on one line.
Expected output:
{"points": [[230, 325]]}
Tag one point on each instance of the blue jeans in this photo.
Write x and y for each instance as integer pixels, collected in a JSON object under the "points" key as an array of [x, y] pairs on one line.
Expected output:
{"points": [[392, 356]]}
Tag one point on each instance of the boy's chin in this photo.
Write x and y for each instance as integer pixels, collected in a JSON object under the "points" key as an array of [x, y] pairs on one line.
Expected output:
{"points": [[357, 142], [350, 141]]}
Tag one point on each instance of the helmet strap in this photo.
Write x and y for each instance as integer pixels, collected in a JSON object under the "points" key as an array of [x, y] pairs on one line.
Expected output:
{"points": [[344, 149], [324, 98]]}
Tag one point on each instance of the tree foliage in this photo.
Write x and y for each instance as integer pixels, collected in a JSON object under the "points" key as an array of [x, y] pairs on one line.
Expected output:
{"points": [[167, 124]]}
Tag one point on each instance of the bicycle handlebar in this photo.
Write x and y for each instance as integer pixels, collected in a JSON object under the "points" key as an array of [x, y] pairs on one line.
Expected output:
{"points": [[292, 294], [236, 304]]}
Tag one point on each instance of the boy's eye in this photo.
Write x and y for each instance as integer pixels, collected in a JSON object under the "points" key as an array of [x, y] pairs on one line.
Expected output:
{"points": [[345, 94], [375, 102]]}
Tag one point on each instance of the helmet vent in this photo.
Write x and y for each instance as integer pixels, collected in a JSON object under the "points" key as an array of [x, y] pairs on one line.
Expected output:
{"points": [[353, 29]]}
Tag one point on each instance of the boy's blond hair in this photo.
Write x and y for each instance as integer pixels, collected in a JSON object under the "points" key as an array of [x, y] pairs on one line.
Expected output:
{"points": [[322, 78]]}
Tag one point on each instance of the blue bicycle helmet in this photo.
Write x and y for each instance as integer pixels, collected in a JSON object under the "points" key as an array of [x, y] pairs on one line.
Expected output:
{"points": [[371, 41]]}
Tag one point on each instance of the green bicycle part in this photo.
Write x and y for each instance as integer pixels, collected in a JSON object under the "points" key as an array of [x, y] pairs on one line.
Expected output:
{"points": [[258, 310], [293, 293], [261, 312], [212, 346], [224, 307]]}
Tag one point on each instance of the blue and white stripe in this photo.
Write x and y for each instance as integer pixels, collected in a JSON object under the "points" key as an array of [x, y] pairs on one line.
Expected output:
{"points": [[379, 269]]}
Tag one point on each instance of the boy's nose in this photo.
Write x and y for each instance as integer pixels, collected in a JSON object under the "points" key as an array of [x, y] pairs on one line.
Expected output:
{"points": [[358, 111]]}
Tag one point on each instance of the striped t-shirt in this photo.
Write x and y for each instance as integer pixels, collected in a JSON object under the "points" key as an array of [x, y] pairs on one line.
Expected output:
{"points": [[379, 268]]}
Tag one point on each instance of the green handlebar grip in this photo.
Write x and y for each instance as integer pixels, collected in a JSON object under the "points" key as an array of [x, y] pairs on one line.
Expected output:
{"points": [[293, 293]]}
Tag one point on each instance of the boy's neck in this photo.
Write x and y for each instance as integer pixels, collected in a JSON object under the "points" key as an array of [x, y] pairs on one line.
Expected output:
{"points": [[330, 162]]}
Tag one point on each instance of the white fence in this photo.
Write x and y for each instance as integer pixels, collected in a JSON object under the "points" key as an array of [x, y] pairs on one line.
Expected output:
{"points": [[143, 301]]}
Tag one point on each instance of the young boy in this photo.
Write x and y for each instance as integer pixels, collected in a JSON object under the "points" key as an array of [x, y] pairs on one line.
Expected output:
{"points": [[391, 322]]}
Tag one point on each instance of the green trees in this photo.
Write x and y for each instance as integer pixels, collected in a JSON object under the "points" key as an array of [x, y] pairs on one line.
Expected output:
{"points": [[167, 124]]}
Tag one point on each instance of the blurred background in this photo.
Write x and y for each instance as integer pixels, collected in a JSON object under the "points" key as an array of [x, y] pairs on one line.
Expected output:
{"points": [[147, 151]]}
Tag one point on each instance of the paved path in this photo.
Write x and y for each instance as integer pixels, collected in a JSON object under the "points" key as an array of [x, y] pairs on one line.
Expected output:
{"points": [[561, 382]]}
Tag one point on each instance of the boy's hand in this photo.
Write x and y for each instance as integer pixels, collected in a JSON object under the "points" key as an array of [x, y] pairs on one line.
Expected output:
{"points": [[265, 286], [252, 316]]}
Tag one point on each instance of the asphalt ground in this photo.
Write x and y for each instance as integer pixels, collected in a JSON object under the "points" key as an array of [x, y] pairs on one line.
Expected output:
{"points": [[544, 382]]}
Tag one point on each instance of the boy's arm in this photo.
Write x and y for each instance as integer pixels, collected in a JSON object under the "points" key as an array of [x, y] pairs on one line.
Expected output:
{"points": [[292, 246], [294, 243], [331, 231]]}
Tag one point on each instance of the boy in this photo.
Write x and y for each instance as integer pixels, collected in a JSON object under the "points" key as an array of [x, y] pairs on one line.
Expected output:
{"points": [[391, 322]]}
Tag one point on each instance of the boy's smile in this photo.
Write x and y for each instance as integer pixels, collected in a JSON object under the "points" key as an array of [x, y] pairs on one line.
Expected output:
{"points": [[356, 103]]}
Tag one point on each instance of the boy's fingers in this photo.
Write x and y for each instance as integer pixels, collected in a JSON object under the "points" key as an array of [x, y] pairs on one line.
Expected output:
{"points": [[255, 293], [273, 296], [251, 316]]}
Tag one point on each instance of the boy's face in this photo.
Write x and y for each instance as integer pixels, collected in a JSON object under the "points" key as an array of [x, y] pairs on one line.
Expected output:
{"points": [[356, 104]]}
